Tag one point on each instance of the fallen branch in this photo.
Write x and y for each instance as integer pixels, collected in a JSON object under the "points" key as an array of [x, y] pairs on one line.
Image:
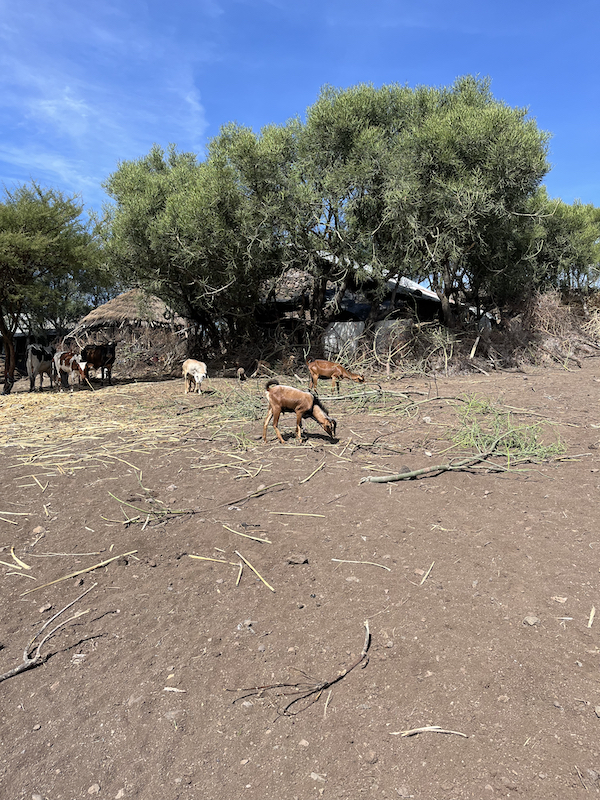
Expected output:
{"points": [[463, 464], [34, 659], [309, 693], [437, 468], [257, 493]]}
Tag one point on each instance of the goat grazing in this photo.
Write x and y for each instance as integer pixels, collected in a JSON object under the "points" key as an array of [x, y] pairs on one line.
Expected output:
{"points": [[330, 369], [303, 404], [194, 372]]}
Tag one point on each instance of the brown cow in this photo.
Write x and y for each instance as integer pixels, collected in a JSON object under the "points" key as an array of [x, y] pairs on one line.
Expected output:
{"points": [[99, 356]]}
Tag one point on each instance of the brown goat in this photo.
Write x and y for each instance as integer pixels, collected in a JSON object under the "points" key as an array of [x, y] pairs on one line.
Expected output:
{"points": [[330, 369], [303, 404]]}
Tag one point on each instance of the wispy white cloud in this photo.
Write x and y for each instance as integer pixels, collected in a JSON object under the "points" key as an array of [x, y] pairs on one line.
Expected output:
{"points": [[83, 87], [24, 164]]}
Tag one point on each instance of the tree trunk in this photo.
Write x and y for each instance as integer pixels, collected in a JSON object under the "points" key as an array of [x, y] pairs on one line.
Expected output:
{"points": [[448, 315], [10, 360], [318, 300], [448, 288]]}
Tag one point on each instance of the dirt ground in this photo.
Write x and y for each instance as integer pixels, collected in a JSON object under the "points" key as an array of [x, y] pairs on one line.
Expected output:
{"points": [[478, 590]]}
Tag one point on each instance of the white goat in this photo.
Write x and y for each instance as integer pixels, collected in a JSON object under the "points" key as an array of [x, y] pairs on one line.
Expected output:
{"points": [[194, 372]]}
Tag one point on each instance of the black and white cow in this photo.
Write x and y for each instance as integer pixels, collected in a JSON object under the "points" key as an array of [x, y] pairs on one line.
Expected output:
{"points": [[39, 360]]}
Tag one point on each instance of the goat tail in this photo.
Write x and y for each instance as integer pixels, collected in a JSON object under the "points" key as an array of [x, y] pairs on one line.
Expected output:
{"points": [[271, 382]]}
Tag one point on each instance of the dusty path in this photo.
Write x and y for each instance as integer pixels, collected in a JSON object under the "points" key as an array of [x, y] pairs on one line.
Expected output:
{"points": [[135, 699]]}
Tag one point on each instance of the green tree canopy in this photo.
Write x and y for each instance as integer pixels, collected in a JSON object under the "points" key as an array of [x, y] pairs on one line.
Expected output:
{"points": [[431, 183], [202, 236], [462, 182], [49, 262]]}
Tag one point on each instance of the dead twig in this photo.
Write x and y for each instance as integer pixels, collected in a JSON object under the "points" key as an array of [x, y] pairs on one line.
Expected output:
{"points": [[256, 572], [257, 493], [307, 693], [35, 658], [247, 535], [370, 563], [157, 513], [79, 572], [427, 729], [314, 472]]}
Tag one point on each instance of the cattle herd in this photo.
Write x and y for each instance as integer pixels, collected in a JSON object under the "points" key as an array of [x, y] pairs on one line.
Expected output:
{"points": [[64, 366]]}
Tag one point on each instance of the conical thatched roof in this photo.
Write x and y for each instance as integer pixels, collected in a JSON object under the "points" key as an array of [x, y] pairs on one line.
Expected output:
{"points": [[133, 309]]}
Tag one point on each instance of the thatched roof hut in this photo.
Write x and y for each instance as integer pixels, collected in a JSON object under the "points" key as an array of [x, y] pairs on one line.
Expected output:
{"points": [[151, 339], [132, 309]]}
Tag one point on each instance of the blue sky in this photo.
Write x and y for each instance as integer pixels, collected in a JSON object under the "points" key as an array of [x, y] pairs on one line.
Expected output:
{"points": [[86, 85]]}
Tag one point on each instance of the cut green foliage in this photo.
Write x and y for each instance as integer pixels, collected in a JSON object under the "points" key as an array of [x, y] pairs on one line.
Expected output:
{"points": [[484, 425]]}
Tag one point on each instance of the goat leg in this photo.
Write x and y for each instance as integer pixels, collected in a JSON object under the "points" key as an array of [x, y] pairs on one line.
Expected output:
{"points": [[267, 420]]}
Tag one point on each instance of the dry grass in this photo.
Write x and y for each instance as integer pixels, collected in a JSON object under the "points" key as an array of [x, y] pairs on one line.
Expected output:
{"points": [[44, 431], [547, 314]]}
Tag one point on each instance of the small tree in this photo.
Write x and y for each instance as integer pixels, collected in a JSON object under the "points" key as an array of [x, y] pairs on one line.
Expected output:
{"points": [[49, 258], [568, 251]]}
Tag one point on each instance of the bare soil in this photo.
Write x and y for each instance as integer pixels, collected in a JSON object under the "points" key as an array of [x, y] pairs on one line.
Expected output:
{"points": [[478, 589]]}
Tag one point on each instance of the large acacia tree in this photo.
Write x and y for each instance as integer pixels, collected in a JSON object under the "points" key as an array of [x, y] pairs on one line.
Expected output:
{"points": [[50, 264], [374, 183]]}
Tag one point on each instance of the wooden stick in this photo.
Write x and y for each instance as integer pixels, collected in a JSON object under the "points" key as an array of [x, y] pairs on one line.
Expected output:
{"points": [[218, 560], [22, 564], [268, 585], [295, 514], [257, 493], [457, 465], [30, 661], [424, 578], [327, 703], [307, 692], [23, 575]]}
